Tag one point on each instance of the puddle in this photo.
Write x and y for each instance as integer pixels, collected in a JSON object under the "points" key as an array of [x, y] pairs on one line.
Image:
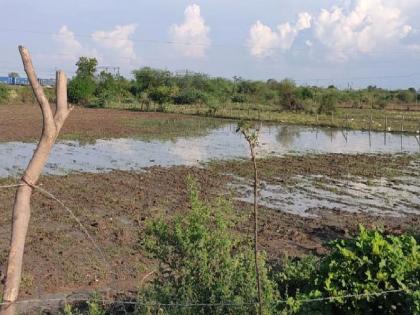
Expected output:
{"points": [[301, 194], [219, 143]]}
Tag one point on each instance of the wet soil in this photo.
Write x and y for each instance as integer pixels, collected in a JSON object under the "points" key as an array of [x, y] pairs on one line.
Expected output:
{"points": [[332, 165], [115, 207], [23, 123]]}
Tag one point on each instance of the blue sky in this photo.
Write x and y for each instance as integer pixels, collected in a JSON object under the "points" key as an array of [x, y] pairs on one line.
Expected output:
{"points": [[342, 42]]}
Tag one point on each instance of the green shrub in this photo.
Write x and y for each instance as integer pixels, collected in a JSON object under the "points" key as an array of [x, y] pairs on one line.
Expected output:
{"points": [[161, 94], [202, 261], [368, 264], [238, 98], [81, 90], [328, 104], [189, 96], [4, 93]]}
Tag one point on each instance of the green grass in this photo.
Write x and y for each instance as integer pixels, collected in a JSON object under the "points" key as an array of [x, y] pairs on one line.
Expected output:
{"points": [[171, 129], [350, 118]]}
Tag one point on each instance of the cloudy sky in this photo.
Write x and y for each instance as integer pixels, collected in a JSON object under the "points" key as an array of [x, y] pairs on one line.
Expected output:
{"points": [[322, 42]]}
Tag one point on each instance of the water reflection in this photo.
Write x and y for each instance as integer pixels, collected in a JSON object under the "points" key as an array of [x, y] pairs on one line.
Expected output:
{"points": [[220, 143]]}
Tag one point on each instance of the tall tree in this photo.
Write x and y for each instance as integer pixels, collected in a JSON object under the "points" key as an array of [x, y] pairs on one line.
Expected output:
{"points": [[86, 67]]}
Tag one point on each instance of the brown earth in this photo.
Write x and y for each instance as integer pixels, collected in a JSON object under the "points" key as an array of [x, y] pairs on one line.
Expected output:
{"points": [[23, 123], [115, 207]]}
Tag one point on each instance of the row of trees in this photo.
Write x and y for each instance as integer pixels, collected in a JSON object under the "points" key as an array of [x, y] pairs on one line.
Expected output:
{"points": [[163, 87]]}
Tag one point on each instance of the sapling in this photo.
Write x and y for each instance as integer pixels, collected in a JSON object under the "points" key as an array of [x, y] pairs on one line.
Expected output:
{"points": [[251, 135]]}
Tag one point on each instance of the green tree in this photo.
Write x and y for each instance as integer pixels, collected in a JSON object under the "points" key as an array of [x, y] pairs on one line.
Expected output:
{"points": [[146, 79], [86, 67], [202, 261], [287, 93], [81, 90], [328, 104], [82, 87]]}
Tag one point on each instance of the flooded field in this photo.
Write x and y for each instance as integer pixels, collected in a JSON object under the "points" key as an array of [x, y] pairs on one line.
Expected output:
{"points": [[316, 185], [302, 194], [220, 143]]}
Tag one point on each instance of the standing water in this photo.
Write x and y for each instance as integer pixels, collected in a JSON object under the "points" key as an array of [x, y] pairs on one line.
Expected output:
{"points": [[219, 143]]}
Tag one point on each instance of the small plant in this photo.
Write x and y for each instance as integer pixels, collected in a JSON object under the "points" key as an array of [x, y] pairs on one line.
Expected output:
{"points": [[380, 274], [252, 137], [202, 261], [4, 93]]}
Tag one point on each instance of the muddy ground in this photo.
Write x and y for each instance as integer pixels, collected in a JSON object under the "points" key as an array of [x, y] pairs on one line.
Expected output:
{"points": [[24, 123], [116, 206]]}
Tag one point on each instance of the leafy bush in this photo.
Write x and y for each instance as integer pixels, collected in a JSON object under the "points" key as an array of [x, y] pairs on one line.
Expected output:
{"points": [[238, 98], [4, 93], [202, 261], [368, 264], [328, 104], [287, 92], [81, 90], [189, 96], [161, 94]]}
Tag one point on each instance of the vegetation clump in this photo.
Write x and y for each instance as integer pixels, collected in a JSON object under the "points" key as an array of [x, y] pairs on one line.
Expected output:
{"points": [[4, 93], [372, 273], [202, 262]]}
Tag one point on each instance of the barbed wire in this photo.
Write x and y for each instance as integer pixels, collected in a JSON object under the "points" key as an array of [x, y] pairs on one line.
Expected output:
{"points": [[72, 214], [224, 304]]}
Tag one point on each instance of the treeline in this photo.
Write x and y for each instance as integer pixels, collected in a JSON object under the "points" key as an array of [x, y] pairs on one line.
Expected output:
{"points": [[164, 87]]}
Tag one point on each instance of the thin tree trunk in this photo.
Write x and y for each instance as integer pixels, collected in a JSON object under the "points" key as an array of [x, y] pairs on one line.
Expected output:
{"points": [[257, 271], [52, 124]]}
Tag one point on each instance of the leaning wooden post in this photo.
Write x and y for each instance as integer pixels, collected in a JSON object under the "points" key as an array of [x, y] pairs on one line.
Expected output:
{"points": [[52, 124]]}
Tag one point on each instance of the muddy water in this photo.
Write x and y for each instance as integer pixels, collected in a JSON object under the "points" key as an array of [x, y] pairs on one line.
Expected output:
{"points": [[303, 194], [219, 143]]}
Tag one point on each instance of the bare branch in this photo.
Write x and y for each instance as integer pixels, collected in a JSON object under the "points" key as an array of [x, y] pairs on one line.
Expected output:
{"points": [[63, 109], [49, 126]]}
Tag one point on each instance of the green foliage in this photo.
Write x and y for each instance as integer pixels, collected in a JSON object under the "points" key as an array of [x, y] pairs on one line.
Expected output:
{"points": [[82, 87], [162, 94], [81, 90], [238, 98], [407, 96], [202, 261], [190, 96], [94, 307], [4, 93], [328, 104], [86, 67], [148, 79], [287, 92], [368, 264], [111, 88]]}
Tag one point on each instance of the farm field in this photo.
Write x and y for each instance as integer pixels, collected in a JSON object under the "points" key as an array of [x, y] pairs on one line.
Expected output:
{"points": [[316, 185]]}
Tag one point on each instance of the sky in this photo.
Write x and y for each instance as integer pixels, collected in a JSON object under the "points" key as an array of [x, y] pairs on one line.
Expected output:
{"points": [[347, 43]]}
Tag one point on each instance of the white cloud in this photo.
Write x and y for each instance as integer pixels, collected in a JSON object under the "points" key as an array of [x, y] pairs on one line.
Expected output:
{"points": [[118, 40], [69, 47], [192, 35], [366, 26], [263, 41]]}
